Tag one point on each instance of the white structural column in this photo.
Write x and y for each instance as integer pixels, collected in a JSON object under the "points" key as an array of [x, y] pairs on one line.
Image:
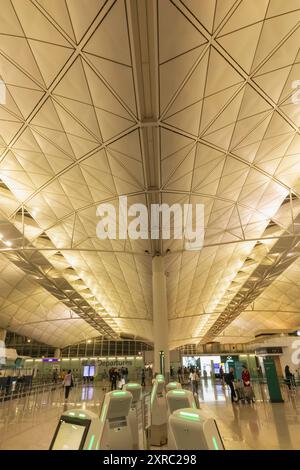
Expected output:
{"points": [[160, 316], [2, 335], [57, 353]]}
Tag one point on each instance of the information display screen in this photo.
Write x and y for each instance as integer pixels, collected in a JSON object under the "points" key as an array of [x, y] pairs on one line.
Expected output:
{"points": [[70, 436]]}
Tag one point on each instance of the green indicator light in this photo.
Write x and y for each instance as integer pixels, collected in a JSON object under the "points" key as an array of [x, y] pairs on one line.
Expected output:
{"points": [[103, 412], [119, 393], [215, 443], [91, 442], [192, 416], [71, 414], [81, 415], [178, 392]]}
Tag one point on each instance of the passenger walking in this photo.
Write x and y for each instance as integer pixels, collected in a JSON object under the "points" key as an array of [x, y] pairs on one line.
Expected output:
{"points": [[113, 379], [248, 390], [68, 383], [194, 381], [143, 376], [229, 379], [290, 378], [221, 372], [179, 375]]}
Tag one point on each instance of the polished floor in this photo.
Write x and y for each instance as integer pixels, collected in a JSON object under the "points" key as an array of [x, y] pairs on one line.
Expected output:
{"points": [[29, 423]]}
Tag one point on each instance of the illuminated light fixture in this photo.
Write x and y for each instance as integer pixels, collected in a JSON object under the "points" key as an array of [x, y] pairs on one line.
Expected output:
{"points": [[187, 415], [89, 340], [7, 243], [91, 441], [29, 341], [215, 443]]}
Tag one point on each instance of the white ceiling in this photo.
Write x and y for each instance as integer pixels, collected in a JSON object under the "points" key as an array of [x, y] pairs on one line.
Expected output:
{"points": [[186, 100]]}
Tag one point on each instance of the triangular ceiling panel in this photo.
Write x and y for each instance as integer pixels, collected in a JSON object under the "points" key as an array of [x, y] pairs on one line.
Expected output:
{"points": [[18, 50], [171, 142], [112, 125], [111, 32], [246, 13], [222, 9], [188, 119], [193, 90], [35, 24], [119, 77], [26, 99], [101, 96], [9, 23], [50, 58], [59, 12], [173, 72], [172, 24], [170, 164], [203, 11], [81, 21], [274, 30], [238, 42]]}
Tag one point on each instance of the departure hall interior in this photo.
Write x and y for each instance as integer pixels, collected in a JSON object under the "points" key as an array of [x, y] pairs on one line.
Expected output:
{"points": [[149, 225]]}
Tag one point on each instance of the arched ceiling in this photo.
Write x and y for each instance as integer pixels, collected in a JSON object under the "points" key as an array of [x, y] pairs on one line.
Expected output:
{"points": [[162, 101]]}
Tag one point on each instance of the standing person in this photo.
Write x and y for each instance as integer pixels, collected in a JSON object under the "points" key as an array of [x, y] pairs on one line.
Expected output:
{"points": [[68, 383], [179, 375], [143, 383], [248, 391], [55, 376], [289, 376], [246, 376], [229, 378], [194, 381], [221, 372], [113, 379]]}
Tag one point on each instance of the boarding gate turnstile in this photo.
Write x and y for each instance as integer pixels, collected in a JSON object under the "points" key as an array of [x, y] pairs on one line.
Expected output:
{"points": [[135, 415], [193, 431]]}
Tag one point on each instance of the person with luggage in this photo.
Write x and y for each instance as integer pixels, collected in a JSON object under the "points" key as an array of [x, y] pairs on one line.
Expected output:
{"points": [[248, 391], [68, 383], [229, 379]]}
